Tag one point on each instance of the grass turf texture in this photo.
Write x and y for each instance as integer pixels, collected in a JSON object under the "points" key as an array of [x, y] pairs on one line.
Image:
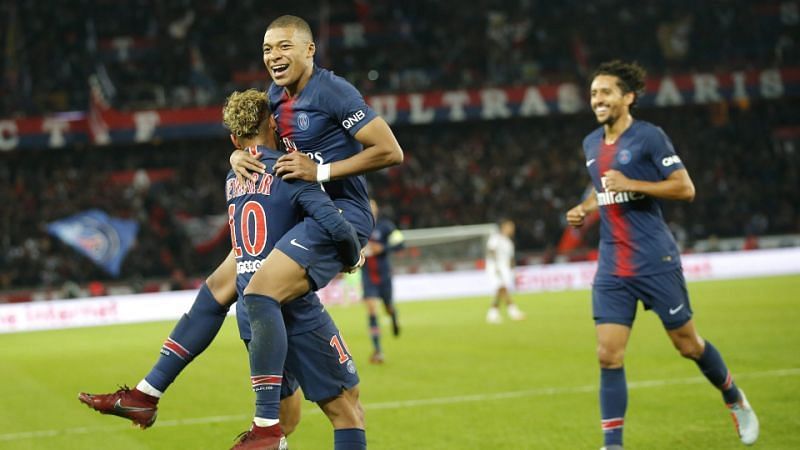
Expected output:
{"points": [[451, 381]]}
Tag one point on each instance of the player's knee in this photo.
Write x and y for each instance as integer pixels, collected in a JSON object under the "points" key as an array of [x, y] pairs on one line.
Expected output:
{"points": [[689, 348], [222, 288], [610, 358], [344, 411]]}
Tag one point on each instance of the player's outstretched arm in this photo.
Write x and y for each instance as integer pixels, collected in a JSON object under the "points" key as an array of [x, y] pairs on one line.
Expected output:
{"points": [[677, 186], [322, 209]]}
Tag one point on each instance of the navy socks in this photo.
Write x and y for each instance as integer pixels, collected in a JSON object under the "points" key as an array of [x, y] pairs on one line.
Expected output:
{"points": [[613, 403], [267, 353], [193, 333], [714, 368]]}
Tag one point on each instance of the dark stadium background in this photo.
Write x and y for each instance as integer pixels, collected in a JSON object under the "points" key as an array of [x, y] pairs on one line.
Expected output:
{"points": [[140, 84]]}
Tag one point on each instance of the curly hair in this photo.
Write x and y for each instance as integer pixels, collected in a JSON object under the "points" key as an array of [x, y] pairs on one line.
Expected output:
{"points": [[630, 76], [244, 112]]}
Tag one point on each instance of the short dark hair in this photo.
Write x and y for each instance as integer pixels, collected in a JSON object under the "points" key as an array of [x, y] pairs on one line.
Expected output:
{"points": [[289, 21], [630, 76]]}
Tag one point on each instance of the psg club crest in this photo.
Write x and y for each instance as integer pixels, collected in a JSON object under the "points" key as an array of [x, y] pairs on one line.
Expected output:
{"points": [[302, 121], [103, 239], [624, 156]]}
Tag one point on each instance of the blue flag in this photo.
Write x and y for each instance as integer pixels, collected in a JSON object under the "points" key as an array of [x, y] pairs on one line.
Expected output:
{"points": [[103, 239]]}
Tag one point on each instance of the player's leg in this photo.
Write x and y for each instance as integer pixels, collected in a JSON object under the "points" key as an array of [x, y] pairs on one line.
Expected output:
{"points": [[614, 309], [493, 315], [347, 417], [290, 412], [191, 336], [670, 300], [325, 369], [387, 295], [611, 342], [374, 329]]}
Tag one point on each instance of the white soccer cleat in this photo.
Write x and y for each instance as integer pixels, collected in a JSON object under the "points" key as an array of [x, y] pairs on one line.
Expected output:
{"points": [[493, 316], [515, 314], [745, 419]]}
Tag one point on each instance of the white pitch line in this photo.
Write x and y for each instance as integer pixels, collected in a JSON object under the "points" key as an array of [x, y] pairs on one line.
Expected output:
{"points": [[404, 404]]}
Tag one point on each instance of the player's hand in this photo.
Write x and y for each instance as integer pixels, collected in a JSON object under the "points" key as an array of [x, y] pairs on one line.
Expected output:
{"points": [[576, 216], [616, 181], [296, 166], [243, 162], [361, 260]]}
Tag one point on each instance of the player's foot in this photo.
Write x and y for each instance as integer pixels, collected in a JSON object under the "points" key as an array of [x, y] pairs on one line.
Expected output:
{"points": [[376, 358], [514, 313], [493, 316], [745, 419], [131, 404], [611, 447], [262, 438]]}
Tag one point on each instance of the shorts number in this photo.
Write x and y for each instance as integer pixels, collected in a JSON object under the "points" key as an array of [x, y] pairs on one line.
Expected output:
{"points": [[341, 348], [256, 241]]}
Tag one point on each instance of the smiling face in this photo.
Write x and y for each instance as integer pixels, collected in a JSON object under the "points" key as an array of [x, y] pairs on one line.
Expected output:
{"points": [[288, 56], [608, 101]]}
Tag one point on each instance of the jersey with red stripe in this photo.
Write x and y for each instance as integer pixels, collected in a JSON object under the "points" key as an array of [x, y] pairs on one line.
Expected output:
{"points": [[321, 121], [634, 238]]}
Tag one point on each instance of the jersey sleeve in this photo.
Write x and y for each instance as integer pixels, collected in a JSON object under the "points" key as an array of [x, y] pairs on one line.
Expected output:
{"points": [[348, 106], [394, 237], [662, 153], [317, 204]]}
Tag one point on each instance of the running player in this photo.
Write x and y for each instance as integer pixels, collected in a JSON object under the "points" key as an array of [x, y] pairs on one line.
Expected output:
{"points": [[633, 165], [376, 277], [499, 258]]}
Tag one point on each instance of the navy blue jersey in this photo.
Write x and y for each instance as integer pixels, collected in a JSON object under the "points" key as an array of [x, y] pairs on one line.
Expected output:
{"points": [[321, 121], [378, 268], [262, 211], [634, 239]]}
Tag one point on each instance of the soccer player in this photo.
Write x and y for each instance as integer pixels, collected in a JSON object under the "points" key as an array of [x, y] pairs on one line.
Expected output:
{"points": [[376, 277], [499, 257], [633, 165]]}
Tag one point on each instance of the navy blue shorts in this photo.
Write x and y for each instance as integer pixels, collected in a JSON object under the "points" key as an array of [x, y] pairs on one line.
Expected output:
{"points": [[310, 246], [614, 298], [382, 290], [319, 362]]}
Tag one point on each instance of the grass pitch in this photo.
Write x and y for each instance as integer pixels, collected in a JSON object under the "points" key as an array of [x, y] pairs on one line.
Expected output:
{"points": [[451, 381]]}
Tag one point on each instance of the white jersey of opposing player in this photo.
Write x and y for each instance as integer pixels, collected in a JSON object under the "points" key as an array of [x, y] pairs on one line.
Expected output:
{"points": [[499, 254]]}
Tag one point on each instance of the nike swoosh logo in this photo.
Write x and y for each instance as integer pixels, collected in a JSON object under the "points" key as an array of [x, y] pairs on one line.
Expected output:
{"points": [[672, 312], [119, 408], [297, 244], [589, 162]]}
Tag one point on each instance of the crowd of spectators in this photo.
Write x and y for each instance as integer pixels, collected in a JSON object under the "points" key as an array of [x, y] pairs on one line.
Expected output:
{"points": [[744, 161], [180, 53]]}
